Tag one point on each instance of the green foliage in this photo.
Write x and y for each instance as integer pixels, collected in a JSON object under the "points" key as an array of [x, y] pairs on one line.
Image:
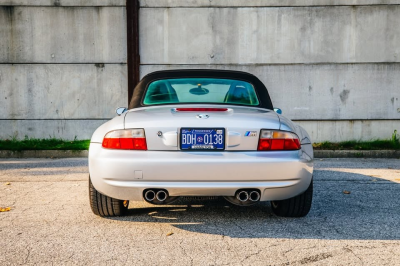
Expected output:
{"points": [[43, 144], [395, 137], [359, 145], [391, 144]]}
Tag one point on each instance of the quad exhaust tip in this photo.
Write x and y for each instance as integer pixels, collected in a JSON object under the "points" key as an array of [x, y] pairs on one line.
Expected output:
{"points": [[242, 196], [161, 195], [150, 195], [254, 196]]}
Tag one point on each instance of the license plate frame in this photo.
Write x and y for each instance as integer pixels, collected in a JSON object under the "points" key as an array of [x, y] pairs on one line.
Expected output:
{"points": [[202, 131]]}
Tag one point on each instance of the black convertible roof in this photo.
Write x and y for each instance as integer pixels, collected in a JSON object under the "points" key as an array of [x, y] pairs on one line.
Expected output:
{"points": [[261, 90]]}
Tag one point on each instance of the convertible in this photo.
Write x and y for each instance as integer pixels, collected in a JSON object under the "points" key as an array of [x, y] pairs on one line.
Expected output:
{"points": [[200, 133]]}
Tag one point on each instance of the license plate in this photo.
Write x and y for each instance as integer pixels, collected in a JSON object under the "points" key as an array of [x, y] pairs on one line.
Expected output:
{"points": [[202, 138]]}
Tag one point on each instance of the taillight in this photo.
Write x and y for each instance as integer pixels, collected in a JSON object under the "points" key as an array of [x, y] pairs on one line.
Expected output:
{"points": [[125, 139], [201, 109], [277, 141]]}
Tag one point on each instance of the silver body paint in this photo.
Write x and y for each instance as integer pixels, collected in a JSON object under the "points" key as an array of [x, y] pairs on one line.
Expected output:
{"points": [[124, 174]]}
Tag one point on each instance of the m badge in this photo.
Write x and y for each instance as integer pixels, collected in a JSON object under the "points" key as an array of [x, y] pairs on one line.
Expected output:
{"points": [[250, 134]]}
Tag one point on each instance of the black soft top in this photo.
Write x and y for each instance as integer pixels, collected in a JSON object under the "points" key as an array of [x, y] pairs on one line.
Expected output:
{"points": [[262, 92]]}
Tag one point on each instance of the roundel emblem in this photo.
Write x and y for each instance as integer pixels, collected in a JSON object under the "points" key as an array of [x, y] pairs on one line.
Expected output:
{"points": [[199, 139], [202, 116]]}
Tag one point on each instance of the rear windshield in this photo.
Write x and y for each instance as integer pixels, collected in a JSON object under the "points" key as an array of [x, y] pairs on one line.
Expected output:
{"points": [[200, 90]]}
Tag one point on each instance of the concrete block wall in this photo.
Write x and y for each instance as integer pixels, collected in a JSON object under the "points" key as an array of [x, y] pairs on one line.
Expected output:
{"points": [[62, 66], [331, 65]]}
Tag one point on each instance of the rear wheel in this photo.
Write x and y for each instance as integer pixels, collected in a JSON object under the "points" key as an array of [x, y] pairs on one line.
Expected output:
{"points": [[105, 206], [298, 206]]}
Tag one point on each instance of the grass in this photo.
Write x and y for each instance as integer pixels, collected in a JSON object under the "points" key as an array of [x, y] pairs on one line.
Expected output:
{"points": [[43, 144], [359, 145]]}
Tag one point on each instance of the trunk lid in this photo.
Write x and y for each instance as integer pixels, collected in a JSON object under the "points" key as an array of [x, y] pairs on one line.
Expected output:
{"points": [[162, 124]]}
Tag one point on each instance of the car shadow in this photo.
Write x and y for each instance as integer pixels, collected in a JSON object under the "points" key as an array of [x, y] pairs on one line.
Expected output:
{"points": [[345, 206]]}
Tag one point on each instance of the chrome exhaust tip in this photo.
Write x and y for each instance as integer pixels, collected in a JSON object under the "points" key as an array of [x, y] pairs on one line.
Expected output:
{"points": [[161, 195], [254, 195], [242, 196], [150, 195]]}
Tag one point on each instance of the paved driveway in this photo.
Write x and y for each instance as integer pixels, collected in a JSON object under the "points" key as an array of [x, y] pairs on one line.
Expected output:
{"points": [[50, 222]]}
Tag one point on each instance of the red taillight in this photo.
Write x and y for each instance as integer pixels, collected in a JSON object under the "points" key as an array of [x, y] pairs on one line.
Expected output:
{"points": [[278, 141], [128, 139], [201, 109]]}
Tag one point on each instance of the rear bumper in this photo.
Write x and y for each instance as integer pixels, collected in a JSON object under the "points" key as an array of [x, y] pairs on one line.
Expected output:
{"points": [[125, 174]]}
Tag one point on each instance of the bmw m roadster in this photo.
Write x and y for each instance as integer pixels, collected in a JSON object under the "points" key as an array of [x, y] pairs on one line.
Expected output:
{"points": [[200, 133]]}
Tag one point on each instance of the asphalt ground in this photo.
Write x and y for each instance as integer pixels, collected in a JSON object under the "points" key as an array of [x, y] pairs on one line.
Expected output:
{"points": [[50, 221]]}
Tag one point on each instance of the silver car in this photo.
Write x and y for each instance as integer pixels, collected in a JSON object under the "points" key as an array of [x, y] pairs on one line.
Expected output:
{"points": [[200, 133]]}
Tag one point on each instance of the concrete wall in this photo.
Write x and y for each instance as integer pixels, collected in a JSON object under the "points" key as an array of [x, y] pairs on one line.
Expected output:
{"points": [[62, 66], [331, 65]]}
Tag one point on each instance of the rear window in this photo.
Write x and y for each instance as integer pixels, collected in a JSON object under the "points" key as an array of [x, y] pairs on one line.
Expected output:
{"points": [[200, 90]]}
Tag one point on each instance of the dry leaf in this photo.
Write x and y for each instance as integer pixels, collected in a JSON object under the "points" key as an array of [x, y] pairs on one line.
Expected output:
{"points": [[374, 180], [6, 209], [346, 192], [170, 234], [397, 179], [7, 184]]}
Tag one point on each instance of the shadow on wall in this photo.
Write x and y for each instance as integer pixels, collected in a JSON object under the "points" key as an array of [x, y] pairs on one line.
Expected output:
{"points": [[369, 212]]}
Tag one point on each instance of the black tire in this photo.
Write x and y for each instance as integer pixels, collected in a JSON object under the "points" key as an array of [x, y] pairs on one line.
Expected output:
{"points": [[298, 206], [105, 206]]}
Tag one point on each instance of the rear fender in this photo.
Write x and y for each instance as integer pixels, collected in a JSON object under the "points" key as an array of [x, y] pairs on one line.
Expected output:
{"points": [[305, 140], [114, 124]]}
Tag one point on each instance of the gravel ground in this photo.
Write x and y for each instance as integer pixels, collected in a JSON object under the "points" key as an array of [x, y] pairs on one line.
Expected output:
{"points": [[50, 221]]}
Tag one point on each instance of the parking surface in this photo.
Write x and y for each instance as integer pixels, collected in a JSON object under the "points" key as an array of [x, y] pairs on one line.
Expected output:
{"points": [[50, 221]]}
